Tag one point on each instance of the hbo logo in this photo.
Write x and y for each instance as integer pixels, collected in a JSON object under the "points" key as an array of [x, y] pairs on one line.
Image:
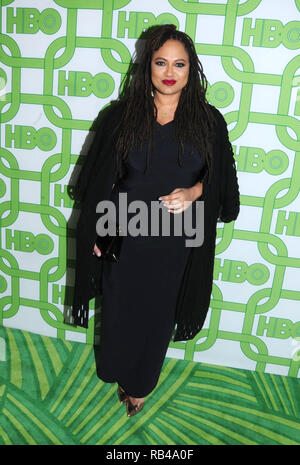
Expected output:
{"points": [[238, 272], [30, 21], [271, 33], [25, 241], [82, 84], [26, 137]]}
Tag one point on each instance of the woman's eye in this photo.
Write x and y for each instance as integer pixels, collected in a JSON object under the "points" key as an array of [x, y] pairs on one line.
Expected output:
{"points": [[162, 63]]}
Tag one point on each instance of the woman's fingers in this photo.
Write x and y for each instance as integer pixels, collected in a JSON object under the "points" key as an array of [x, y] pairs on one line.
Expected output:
{"points": [[175, 205], [176, 212], [97, 251], [172, 203], [178, 207]]}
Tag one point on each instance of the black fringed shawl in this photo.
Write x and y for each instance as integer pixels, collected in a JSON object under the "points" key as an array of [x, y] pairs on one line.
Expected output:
{"points": [[221, 203]]}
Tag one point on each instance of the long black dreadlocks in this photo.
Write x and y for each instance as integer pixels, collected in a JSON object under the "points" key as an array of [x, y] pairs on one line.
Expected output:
{"points": [[193, 118]]}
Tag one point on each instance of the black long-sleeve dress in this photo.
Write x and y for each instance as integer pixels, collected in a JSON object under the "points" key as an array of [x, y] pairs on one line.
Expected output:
{"points": [[140, 291]]}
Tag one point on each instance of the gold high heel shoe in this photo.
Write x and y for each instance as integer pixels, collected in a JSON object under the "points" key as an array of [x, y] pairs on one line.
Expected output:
{"points": [[133, 409], [122, 394]]}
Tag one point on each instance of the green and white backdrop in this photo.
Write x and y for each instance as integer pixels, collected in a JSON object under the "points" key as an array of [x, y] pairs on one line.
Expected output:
{"points": [[61, 62]]}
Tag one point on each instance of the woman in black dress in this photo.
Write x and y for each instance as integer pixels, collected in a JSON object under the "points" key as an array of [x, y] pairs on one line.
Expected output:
{"points": [[164, 142]]}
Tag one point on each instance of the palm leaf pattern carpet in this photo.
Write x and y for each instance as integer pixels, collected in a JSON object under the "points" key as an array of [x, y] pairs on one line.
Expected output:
{"points": [[50, 394]]}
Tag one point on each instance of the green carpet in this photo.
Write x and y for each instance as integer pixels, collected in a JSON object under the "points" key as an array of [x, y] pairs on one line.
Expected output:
{"points": [[50, 394]]}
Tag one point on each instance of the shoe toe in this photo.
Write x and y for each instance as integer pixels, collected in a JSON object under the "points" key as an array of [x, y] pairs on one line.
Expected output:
{"points": [[133, 409]]}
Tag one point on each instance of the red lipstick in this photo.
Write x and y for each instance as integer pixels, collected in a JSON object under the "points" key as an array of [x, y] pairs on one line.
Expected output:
{"points": [[169, 83]]}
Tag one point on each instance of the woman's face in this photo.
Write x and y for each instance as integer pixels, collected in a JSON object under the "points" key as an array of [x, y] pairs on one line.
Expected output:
{"points": [[170, 68]]}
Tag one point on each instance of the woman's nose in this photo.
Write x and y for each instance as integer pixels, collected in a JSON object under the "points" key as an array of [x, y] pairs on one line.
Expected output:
{"points": [[169, 70]]}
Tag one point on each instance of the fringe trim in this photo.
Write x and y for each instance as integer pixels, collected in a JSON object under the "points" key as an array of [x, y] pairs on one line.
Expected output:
{"points": [[186, 330], [81, 315]]}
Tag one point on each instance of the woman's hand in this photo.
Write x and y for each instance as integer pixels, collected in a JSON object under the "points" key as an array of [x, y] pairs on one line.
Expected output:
{"points": [[97, 251], [181, 198]]}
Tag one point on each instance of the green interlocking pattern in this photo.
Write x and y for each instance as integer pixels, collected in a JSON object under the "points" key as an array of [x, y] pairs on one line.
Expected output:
{"points": [[61, 62]]}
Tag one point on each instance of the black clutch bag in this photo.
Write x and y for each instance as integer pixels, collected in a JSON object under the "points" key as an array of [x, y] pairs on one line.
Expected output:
{"points": [[110, 246]]}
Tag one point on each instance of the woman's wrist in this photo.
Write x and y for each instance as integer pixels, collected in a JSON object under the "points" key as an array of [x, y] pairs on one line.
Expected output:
{"points": [[197, 190]]}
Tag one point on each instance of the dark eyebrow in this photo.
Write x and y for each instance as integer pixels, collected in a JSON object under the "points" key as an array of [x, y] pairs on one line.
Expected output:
{"points": [[162, 58]]}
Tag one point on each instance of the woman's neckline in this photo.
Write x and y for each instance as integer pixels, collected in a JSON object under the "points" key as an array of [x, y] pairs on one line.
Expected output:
{"points": [[162, 125]]}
